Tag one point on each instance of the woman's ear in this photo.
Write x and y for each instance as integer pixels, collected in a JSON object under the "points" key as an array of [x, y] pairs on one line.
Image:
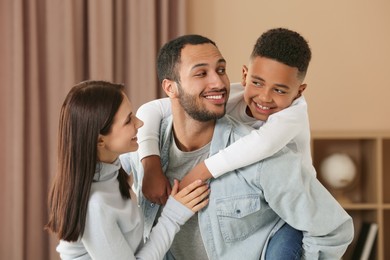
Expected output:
{"points": [[169, 87], [101, 142]]}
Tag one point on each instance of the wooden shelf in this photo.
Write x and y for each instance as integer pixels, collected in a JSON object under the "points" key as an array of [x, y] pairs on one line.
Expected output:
{"points": [[362, 206], [368, 198]]}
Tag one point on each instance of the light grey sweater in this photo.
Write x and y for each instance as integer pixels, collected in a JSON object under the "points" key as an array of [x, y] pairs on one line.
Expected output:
{"points": [[114, 226]]}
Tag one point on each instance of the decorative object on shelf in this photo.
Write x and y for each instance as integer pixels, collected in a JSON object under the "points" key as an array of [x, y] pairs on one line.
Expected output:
{"points": [[338, 172]]}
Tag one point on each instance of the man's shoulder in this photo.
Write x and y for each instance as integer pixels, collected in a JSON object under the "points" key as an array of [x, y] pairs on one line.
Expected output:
{"points": [[128, 160], [237, 127], [287, 155], [166, 124]]}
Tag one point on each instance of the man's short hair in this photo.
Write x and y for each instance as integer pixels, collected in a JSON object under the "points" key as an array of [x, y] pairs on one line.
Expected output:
{"points": [[169, 55]]}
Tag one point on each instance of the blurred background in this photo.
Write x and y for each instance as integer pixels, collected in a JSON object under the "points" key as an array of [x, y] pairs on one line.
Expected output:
{"points": [[47, 46]]}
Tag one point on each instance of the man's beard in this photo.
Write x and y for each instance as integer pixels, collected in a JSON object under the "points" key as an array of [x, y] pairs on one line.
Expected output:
{"points": [[194, 110]]}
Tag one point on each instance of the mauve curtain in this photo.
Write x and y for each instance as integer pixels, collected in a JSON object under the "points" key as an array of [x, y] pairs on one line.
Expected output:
{"points": [[46, 47]]}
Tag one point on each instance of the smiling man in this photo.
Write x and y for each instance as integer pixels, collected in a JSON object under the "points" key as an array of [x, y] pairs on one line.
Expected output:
{"points": [[248, 205]]}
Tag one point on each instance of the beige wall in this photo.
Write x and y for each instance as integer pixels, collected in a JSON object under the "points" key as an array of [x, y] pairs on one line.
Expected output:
{"points": [[349, 77]]}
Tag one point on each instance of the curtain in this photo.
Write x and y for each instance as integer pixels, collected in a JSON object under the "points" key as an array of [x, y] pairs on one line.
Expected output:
{"points": [[46, 47]]}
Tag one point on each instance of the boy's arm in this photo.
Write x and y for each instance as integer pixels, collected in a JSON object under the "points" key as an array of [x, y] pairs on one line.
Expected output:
{"points": [[155, 185], [279, 130], [151, 113], [199, 172]]}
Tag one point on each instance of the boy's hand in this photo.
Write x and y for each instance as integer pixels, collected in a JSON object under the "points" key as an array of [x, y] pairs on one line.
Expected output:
{"points": [[155, 185], [194, 196], [199, 172]]}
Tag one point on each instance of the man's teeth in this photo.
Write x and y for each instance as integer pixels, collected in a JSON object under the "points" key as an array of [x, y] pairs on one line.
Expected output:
{"points": [[262, 107], [214, 97]]}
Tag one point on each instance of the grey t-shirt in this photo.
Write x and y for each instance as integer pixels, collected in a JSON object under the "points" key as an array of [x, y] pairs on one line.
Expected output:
{"points": [[188, 243]]}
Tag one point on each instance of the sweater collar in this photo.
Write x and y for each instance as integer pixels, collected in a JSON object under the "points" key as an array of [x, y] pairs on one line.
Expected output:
{"points": [[106, 171]]}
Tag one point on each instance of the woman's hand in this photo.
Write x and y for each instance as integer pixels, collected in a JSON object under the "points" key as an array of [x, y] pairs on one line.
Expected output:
{"points": [[194, 196]]}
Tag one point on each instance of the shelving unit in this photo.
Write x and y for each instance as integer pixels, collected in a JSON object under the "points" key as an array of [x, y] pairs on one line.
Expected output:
{"points": [[368, 197]]}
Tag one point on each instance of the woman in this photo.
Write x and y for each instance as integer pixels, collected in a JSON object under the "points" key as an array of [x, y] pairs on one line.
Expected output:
{"points": [[92, 210]]}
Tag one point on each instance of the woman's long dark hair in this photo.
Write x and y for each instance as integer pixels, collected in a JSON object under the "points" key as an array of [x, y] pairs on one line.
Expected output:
{"points": [[87, 111]]}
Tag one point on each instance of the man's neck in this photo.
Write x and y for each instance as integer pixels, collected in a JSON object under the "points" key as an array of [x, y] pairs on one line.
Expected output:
{"points": [[189, 133]]}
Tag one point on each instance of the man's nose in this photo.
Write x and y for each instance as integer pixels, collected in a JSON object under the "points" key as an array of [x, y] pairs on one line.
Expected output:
{"points": [[218, 81]]}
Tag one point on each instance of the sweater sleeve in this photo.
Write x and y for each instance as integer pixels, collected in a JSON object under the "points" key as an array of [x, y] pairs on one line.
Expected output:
{"points": [[105, 240], [172, 217], [151, 114], [280, 129]]}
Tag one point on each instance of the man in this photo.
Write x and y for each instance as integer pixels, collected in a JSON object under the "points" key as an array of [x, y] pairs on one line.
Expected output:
{"points": [[247, 205]]}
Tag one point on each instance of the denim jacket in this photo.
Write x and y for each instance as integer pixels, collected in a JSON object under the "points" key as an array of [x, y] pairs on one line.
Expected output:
{"points": [[248, 205]]}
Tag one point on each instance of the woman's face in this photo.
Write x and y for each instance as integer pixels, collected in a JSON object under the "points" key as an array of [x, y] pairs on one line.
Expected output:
{"points": [[123, 135]]}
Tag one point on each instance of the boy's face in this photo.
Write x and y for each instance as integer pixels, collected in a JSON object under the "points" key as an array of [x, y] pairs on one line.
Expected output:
{"points": [[270, 86]]}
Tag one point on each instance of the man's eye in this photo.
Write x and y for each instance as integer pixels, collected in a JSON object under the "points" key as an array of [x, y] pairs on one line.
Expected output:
{"points": [[221, 71], [200, 74]]}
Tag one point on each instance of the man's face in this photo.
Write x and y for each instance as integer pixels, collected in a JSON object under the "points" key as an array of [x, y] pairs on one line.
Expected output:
{"points": [[270, 86], [204, 85]]}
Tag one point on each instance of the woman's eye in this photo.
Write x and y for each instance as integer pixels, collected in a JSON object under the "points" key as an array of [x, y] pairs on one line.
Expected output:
{"points": [[128, 120]]}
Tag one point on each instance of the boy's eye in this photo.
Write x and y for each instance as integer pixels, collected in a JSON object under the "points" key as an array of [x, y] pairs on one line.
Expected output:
{"points": [[257, 83], [280, 91]]}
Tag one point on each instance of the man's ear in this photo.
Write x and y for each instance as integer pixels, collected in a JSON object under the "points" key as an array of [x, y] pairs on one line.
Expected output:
{"points": [[169, 87], [300, 90], [244, 75]]}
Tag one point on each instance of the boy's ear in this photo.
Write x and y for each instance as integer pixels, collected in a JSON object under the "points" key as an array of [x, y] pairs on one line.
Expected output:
{"points": [[244, 75], [169, 87], [300, 90]]}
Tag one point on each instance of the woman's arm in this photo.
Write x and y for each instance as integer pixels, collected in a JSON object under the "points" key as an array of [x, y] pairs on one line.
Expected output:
{"points": [[104, 239], [178, 209]]}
